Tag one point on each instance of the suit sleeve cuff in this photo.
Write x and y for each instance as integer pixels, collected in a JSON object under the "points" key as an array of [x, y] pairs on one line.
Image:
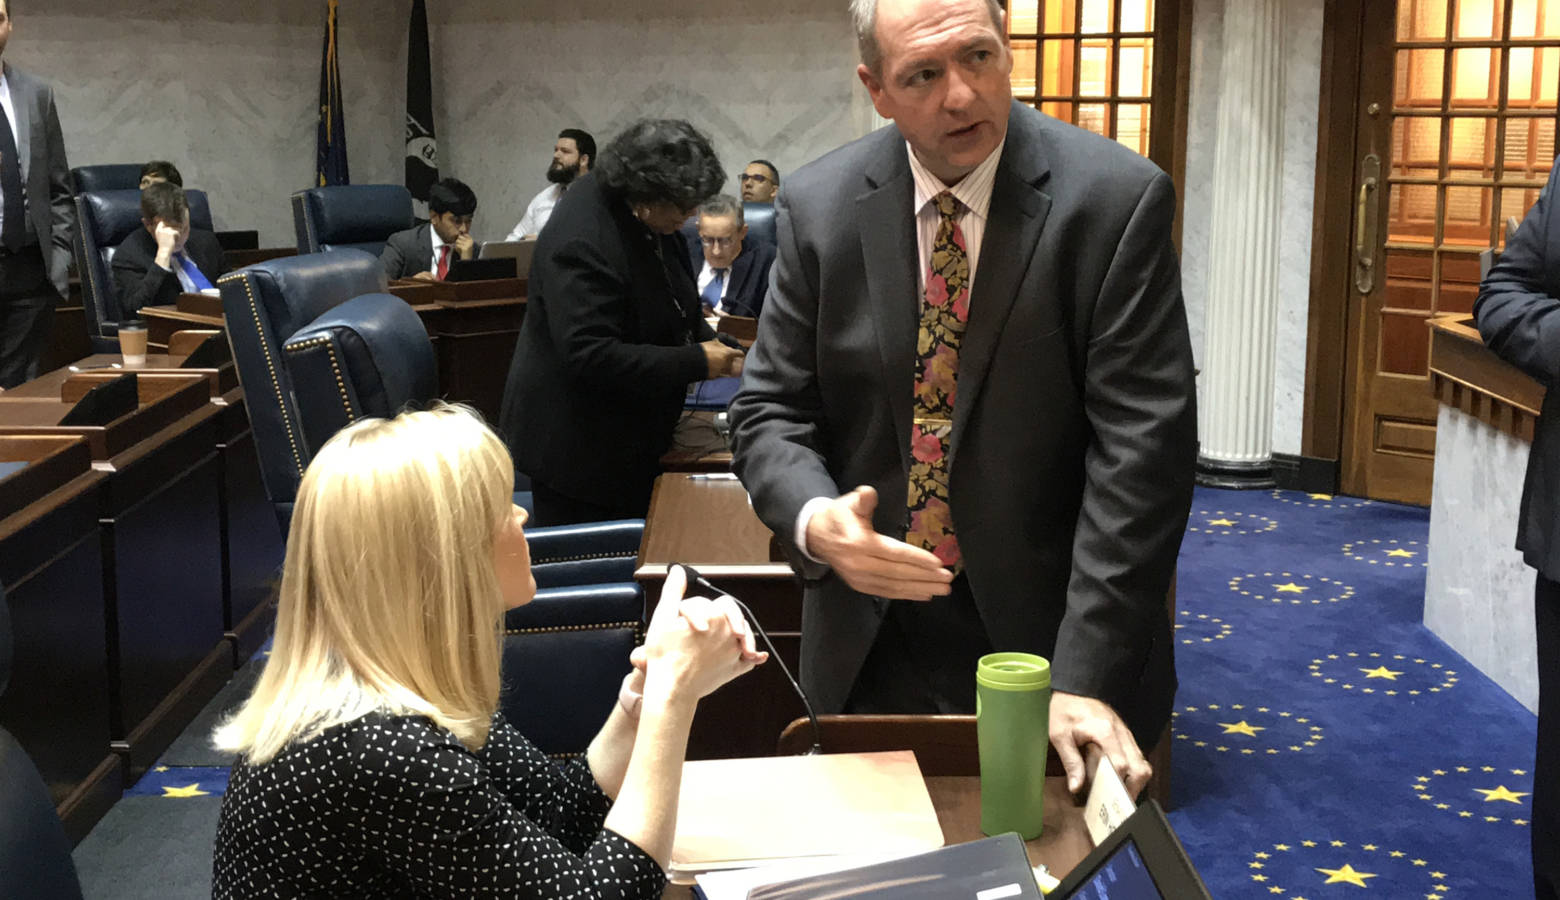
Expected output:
{"points": [[803, 517]]}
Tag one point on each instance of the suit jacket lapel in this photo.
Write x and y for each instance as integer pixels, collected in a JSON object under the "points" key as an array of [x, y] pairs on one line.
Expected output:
{"points": [[889, 252], [1017, 215], [20, 99]]}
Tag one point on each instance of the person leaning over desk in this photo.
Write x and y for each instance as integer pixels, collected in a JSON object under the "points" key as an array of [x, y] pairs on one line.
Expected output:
{"points": [[970, 409], [372, 759], [613, 333]]}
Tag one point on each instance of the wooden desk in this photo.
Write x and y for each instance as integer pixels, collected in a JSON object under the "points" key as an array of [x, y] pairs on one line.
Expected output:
{"points": [[945, 748], [473, 325], [709, 525], [251, 538], [51, 564], [161, 570]]}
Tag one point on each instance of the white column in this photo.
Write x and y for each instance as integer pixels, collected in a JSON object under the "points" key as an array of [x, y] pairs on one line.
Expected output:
{"points": [[1236, 417]]}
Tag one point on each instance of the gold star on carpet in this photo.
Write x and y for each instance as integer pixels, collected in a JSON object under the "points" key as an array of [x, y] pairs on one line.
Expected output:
{"points": [[188, 791], [1381, 672], [1321, 496], [1463, 769], [1420, 862], [1224, 522], [1337, 843], [1308, 843], [159, 768], [1500, 793], [1275, 889], [1290, 588], [1367, 846], [1397, 853], [1486, 768], [1443, 806], [1402, 554], [1438, 876], [1259, 878], [1440, 771], [1346, 875], [1281, 847], [1519, 771], [1254, 865], [1242, 728]]}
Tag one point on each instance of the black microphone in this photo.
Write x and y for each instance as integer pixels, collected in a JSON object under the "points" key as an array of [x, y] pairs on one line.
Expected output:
{"points": [[695, 578]]}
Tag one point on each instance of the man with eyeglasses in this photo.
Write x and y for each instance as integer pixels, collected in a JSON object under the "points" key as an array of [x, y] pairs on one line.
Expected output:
{"points": [[733, 272], [426, 252], [760, 182]]}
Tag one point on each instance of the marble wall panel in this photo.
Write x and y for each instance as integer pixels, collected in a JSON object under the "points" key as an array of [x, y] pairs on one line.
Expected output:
{"points": [[227, 89], [776, 81], [1478, 593]]}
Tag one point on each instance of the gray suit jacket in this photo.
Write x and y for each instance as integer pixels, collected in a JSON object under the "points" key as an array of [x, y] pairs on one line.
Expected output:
{"points": [[46, 173], [1518, 315], [1074, 435], [408, 252]]}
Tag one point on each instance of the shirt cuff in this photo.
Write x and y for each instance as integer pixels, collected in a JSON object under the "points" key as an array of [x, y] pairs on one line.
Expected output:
{"points": [[809, 508]]}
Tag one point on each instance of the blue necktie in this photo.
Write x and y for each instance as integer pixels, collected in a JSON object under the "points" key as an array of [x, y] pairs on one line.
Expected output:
{"points": [[713, 290], [193, 272]]}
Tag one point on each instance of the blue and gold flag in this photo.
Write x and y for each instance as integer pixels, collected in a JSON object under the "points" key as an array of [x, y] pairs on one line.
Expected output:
{"points": [[330, 165]]}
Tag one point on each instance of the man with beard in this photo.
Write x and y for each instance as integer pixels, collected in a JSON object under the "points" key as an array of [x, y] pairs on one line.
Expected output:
{"points": [[572, 157]]}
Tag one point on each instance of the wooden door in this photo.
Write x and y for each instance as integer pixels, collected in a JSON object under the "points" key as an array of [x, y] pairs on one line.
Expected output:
{"points": [[1456, 133]]}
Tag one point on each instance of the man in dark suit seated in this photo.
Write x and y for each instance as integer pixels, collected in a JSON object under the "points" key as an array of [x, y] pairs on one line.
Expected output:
{"points": [[733, 271], [167, 257], [426, 251]]}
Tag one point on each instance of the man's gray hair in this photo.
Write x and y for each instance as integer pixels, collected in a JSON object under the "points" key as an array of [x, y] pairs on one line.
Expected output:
{"points": [[723, 205], [863, 15]]}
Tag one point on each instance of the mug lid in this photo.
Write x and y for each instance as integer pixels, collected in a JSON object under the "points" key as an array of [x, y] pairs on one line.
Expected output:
{"points": [[1013, 671]]}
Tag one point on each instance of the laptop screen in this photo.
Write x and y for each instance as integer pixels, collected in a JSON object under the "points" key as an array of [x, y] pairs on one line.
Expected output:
{"points": [[1122, 876]]}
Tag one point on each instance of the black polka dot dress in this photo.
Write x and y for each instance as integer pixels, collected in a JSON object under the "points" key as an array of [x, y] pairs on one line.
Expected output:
{"points": [[389, 806]]}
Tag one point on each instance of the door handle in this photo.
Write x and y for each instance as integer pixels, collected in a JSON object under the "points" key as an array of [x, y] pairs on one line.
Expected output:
{"points": [[1365, 216]]}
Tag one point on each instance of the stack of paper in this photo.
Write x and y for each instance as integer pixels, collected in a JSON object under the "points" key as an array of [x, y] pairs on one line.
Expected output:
{"points": [[738, 813]]}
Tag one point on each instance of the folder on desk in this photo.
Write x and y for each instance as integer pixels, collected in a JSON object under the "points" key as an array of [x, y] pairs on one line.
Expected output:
{"points": [[736, 813], [989, 869]]}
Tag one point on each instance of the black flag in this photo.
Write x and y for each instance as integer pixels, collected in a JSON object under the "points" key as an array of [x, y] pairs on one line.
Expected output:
{"points": [[330, 146], [422, 150]]}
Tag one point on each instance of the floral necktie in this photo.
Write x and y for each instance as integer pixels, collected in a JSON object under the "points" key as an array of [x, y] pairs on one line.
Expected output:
{"points": [[945, 310]]}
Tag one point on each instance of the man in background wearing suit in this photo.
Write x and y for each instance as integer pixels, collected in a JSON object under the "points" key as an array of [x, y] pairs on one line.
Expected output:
{"points": [[36, 216], [167, 257], [970, 407], [733, 271], [426, 251], [1518, 314]]}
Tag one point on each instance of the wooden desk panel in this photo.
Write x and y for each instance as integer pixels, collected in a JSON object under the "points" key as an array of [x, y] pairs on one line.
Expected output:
{"points": [[158, 517], [57, 703], [709, 525]]}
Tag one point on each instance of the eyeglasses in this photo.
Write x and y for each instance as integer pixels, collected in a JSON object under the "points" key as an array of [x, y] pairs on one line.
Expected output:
{"points": [[745, 178], [718, 241]]}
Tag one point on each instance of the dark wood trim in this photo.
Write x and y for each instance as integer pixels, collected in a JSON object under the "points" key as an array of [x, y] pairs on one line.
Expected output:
{"points": [[1332, 226], [1469, 376], [1172, 88], [1292, 472]]}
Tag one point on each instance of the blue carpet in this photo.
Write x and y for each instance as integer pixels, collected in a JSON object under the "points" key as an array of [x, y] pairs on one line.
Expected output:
{"points": [[1325, 740]]}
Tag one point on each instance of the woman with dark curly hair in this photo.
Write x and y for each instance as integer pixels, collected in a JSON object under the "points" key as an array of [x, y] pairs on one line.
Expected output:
{"points": [[613, 334]]}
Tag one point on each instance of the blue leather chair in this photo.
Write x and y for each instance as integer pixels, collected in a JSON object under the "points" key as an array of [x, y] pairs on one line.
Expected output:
{"points": [[103, 220], [356, 216], [112, 177], [265, 306], [34, 851]]}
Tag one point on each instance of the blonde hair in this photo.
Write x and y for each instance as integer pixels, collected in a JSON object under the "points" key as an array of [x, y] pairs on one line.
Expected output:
{"points": [[389, 599]]}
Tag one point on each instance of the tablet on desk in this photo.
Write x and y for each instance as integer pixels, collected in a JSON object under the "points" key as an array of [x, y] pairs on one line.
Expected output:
{"points": [[1141, 860], [520, 251]]}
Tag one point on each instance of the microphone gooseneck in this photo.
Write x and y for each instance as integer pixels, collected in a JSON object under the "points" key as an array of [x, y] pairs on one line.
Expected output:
{"points": [[695, 578]]}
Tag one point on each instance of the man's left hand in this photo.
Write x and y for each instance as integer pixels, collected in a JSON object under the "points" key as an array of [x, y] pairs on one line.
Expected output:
{"points": [[465, 246], [1078, 721]]}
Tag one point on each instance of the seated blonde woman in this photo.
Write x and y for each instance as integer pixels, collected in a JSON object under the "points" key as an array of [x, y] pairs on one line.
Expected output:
{"points": [[372, 759]]}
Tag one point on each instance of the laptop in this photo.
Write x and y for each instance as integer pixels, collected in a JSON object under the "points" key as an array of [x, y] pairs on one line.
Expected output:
{"points": [[480, 269], [520, 251], [1140, 860]]}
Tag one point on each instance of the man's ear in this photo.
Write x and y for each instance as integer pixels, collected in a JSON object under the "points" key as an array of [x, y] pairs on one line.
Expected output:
{"points": [[874, 89], [585, 162]]}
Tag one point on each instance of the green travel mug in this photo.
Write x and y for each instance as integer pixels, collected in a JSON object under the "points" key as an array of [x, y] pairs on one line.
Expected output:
{"points": [[1012, 716]]}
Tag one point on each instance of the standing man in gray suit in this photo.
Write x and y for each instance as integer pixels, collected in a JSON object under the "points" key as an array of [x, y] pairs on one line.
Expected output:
{"points": [[36, 216], [970, 406]]}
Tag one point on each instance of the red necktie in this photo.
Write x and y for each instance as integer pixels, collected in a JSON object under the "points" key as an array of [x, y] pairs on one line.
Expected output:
{"points": [[444, 262]]}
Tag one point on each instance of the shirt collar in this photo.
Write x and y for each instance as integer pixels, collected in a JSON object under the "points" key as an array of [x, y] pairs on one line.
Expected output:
{"points": [[973, 190]]}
